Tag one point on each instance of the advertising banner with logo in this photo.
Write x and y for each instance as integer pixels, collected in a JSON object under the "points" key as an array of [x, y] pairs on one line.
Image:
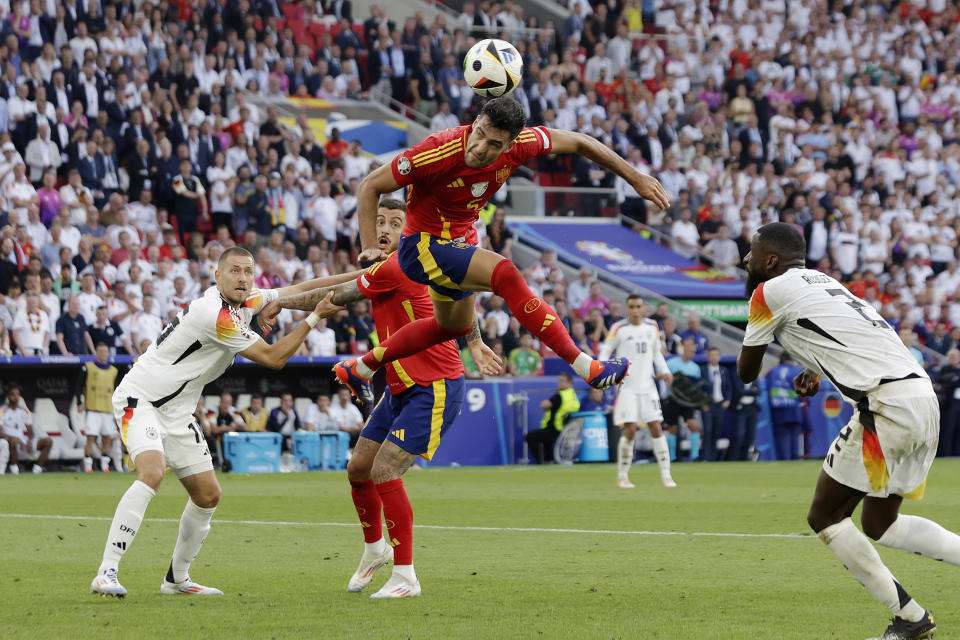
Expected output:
{"points": [[609, 246], [722, 310]]}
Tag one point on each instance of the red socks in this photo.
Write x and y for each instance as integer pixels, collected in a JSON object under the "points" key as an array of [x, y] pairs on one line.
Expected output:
{"points": [[367, 501], [411, 339], [399, 516], [532, 312]]}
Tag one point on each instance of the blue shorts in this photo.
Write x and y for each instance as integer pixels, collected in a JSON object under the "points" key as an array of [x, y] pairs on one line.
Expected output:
{"points": [[417, 418], [441, 264]]}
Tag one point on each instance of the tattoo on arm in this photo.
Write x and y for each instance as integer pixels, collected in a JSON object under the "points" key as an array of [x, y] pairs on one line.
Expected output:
{"points": [[343, 294], [473, 337]]}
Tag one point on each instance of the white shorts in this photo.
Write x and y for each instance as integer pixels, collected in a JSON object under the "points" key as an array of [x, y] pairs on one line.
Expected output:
{"points": [[101, 424], [177, 436], [639, 407], [890, 442]]}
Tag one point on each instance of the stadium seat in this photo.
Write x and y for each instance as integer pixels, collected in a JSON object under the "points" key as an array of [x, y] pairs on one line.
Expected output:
{"points": [[242, 401], [270, 402], [302, 405], [210, 403], [48, 421]]}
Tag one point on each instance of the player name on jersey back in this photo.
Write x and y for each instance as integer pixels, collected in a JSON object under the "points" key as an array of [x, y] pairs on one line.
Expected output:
{"points": [[830, 331]]}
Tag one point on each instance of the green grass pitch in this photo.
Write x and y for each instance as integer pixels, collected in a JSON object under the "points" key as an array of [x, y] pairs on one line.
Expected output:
{"points": [[488, 563]]}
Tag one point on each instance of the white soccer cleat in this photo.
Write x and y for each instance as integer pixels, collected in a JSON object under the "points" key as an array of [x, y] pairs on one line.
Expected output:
{"points": [[14, 469], [106, 584], [625, 484], [187, 588], [668, 482], [37, 469], [398, 587], [369, 564]]}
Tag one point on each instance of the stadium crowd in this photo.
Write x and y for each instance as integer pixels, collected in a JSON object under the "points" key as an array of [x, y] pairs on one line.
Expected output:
{"points": [[131, 153]]}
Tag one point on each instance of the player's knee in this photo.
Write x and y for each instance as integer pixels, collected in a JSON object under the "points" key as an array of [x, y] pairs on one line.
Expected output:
{"points": [[874, 526], [150, 477], [209, 497], [818, 520], [357, 471]]}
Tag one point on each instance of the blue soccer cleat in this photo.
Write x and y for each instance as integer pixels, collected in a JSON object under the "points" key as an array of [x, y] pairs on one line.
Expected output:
{"points": [[346, 372], [607, 373]]}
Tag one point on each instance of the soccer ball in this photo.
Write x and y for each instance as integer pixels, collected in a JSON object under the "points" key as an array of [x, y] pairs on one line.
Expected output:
{"points": [[492, 68]]}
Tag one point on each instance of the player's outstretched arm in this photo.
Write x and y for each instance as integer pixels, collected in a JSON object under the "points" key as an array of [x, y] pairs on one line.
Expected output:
{"points": [[377, 183], [589, 147], [750, 361], [317, 283], [342, 295], [488, 362], [276, 355]]}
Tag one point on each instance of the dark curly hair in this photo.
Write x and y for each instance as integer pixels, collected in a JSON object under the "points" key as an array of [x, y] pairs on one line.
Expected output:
{"points": [[505, 114]]}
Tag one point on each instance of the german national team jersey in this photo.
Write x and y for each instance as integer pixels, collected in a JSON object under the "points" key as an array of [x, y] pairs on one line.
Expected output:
{"points": [[640, 344], [193, 350], [445, 194], [398, 301], [830, 331]]}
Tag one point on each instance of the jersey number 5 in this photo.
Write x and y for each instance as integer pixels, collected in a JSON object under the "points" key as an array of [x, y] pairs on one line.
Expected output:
{"points": [[857, 305]]}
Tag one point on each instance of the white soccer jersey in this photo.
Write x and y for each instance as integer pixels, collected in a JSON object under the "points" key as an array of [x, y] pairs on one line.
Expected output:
{"points": [[640, 344], [193, 350], [831, 331]]}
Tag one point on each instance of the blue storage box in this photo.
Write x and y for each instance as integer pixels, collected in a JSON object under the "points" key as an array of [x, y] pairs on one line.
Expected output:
{"points": [[252, 452], [595, 447], [333, 449], [306, 449]]}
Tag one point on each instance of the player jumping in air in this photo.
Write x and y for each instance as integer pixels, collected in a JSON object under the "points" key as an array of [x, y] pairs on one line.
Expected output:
{"points": [[452, 174], [424, 395], [884, 453], [638, 403], [155, 402]]}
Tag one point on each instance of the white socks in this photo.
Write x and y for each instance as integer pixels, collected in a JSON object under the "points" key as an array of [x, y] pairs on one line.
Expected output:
{"points": [[4, 456], [363, 369], [662, 453], [624, 457], [858, 555], [194, 527], [374, 548], [406, 572], [919, 535], [87, 464], [126, 523], [582, 365]]}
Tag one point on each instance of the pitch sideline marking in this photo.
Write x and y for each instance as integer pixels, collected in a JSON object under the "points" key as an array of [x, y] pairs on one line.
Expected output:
{"points": [[706, 534]]}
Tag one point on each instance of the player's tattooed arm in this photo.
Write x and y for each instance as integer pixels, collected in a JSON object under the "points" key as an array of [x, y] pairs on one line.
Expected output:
{"points": [[343, 294], [488, 362]]}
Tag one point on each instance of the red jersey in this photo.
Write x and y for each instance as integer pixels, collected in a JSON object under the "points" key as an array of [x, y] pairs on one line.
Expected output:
{"points": [[397, 300], [445, 194]]}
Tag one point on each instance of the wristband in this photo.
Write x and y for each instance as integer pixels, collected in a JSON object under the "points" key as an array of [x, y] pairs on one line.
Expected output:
{"points": [[312, 320]]}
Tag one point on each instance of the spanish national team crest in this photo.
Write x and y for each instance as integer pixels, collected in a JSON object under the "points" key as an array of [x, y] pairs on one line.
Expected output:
{"points": [[403, 165], [502, 174], [478, 188]]}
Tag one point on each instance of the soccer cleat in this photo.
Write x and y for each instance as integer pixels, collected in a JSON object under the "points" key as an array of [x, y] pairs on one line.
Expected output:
{"points": [[398, 587], [37, 469], [668, 482], [106, 584], [625, 484], [607, 373], [346, 372], [187, 588], [14, 469], [901, 629], [369, 564]]}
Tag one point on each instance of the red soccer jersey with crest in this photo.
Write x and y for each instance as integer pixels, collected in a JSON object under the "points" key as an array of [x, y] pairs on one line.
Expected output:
{"points": [[445, 194], [397, 300]]}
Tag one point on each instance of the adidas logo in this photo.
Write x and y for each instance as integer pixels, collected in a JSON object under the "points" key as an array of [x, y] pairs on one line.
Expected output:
{"points": [[120, 545], [456, 183], [394, 542], [398, 434], [547, 322]]}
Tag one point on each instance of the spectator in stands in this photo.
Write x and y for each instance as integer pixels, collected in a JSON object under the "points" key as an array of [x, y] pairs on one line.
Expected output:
{"points": [[321, 341], [31, 328], [578, 291], [524, 360], [596, 299], [17, 428], [5, 349], [723, 250], [909, 339], [72, 337], [686, 237], [694, 333], [720, 388], [347, 415], [499, 234], [107, 331], [255, 416], [555, 410], [285, 420], [947, 383], [320, 416]]}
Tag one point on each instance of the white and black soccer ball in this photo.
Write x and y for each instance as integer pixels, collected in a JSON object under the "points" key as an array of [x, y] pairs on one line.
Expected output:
{"points": [[492, 68]]}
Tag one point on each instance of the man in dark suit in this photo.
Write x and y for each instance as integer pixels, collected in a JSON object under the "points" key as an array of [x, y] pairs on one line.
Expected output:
{"points": [[141, 169], [717, 384], [208, 147], [133, 133], [339, 8], [751, 135], [651, 148], [816, 233], [668, 133]]}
